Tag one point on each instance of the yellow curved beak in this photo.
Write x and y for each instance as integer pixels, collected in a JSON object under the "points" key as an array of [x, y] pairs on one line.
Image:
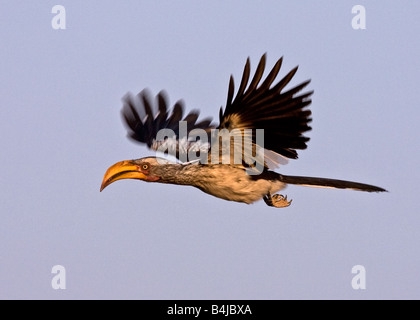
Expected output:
{"points": [[121, 170]]}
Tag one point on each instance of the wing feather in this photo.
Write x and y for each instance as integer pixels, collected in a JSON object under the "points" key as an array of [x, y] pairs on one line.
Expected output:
{"points": [[145, 129], [261, 104], [265, 105]]}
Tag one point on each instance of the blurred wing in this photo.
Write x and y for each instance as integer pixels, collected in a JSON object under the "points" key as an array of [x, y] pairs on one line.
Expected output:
{"points": [[281, 114], [145, 119]]}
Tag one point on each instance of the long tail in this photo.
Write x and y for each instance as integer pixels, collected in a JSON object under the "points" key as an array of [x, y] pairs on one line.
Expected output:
{"points": [[329, 183]]}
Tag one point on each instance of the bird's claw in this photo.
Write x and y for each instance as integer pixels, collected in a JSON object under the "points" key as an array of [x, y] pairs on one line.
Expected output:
{"points": [[277, 200], [280, 201]]}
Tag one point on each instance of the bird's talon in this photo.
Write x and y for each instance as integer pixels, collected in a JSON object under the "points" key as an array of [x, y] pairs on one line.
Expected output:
{"points": [[281, 201], [277, 200]]}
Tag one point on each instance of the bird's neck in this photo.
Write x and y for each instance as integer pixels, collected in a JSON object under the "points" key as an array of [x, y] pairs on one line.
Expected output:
{"points": [[177, 173]]}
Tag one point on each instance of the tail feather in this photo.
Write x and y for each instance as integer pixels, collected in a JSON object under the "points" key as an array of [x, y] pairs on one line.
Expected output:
{"points": [[329, 183]]}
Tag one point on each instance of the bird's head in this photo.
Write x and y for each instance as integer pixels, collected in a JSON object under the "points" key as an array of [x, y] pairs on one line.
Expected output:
{"points": [[141, 169]]}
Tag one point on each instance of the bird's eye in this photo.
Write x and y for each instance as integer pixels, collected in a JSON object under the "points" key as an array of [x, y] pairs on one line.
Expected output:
{"points": [[145, 166]]}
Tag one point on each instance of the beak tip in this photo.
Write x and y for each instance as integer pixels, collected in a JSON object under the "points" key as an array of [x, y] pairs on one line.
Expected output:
{"points": [[121, 170]]}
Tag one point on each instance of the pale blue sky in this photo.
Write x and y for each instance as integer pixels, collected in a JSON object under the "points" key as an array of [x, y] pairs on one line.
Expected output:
{"points": [[60, 97]]}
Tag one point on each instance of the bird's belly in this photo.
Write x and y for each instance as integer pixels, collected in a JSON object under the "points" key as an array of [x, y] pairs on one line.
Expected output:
{"points": [[240, 187]]}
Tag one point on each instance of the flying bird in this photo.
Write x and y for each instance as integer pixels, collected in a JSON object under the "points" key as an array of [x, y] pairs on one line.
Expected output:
{"points": [[269, 121]]}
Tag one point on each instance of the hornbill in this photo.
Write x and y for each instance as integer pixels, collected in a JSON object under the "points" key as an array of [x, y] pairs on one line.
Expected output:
{"points": [[283, 115]]}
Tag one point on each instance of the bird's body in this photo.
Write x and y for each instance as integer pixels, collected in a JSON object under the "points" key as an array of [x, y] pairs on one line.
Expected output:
{"points": [[282, 115], [232, 183], [212, 179]]}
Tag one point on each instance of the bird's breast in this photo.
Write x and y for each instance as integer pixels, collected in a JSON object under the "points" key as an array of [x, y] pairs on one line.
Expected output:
{"points": [[234, 184]]}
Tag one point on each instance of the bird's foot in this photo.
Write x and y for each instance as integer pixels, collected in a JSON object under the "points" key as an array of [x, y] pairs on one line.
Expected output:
{"points": [[277, 200]]}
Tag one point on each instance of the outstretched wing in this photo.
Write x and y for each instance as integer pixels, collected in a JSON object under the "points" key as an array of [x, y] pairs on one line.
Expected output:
{"points": [[281, 114], [145, 118]]}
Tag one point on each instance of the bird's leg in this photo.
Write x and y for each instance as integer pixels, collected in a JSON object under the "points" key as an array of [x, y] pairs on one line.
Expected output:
{"points": [[276, 200]]}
